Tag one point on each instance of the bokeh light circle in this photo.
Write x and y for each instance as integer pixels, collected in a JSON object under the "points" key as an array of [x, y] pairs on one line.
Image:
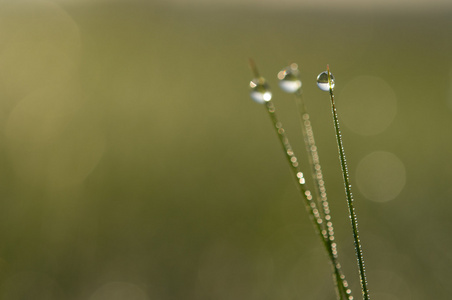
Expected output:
{"points": [[42, 46], [380, 176], [50, 141], [367, 105]]}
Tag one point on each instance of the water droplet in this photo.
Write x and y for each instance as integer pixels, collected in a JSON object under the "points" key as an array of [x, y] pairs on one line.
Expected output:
{"points": [[260, 91], [322, 81], [289, 81]]}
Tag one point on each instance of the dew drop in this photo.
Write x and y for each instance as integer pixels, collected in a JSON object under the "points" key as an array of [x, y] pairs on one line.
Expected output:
{"points": [[289, 80], [322, 81], [260, 91]]}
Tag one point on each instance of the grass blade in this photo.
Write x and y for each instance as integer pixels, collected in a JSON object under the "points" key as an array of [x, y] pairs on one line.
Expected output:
{"points": [[343, 290], [261, 94], [348, 192]]}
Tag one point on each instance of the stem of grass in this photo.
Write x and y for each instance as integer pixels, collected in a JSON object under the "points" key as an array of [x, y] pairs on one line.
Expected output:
{"points": [[296, 171], [342, 290], [348, 192], [311, 205], [319, 222]]}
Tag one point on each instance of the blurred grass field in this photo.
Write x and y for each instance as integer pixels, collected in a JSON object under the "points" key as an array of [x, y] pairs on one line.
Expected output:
{"points": [[135, 166]]}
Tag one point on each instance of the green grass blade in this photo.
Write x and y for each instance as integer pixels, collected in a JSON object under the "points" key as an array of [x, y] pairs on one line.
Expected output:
{"points": [[342, 288], [349, 195]]}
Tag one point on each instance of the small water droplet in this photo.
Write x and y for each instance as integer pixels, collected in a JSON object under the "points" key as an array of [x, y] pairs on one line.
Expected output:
{"points": [[260, 91], [322, 81], [289, 81]]}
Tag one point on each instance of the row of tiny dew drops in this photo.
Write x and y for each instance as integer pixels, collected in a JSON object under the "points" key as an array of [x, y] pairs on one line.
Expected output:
{"points": [[290, 82]]}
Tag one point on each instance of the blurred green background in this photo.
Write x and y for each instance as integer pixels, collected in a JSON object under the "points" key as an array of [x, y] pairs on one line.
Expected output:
{"points": [[134, 165]]}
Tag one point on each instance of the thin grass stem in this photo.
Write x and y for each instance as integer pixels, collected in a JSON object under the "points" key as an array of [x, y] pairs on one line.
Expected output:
{"points": [[296, 171], [292, 160], [342, 289], [321, 220], [349, 195]]}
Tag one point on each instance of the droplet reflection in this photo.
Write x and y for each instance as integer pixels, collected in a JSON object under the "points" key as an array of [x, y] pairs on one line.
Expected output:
{"points": [[260, 90], [322, 81], [289, 80]]}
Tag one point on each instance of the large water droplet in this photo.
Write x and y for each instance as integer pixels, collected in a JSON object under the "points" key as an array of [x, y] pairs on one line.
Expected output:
{"points": [[260, 91], [288, 79], [322, 81]]}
